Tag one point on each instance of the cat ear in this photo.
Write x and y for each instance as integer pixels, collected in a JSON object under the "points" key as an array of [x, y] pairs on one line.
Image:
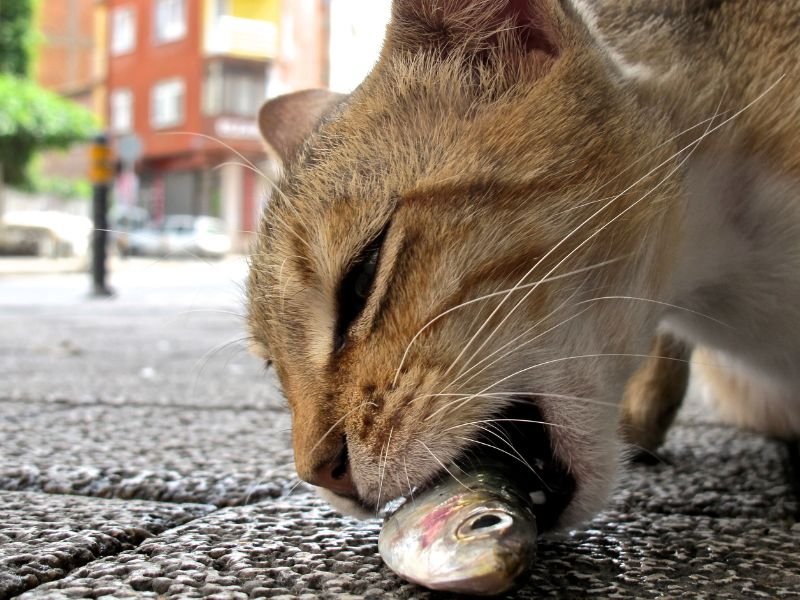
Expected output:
{"points": [[286, 121], [543, 27]]}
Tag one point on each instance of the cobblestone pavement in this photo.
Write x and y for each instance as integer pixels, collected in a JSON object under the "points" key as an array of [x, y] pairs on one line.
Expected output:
{"points": [[141, 456]]}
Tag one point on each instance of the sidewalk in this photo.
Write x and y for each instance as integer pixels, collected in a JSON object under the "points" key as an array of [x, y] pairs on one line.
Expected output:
{"points": [[33, 265], [140, 458]]}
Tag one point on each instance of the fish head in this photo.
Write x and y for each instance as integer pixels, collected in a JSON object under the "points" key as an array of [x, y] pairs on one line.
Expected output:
{"points": [[461, 536]]}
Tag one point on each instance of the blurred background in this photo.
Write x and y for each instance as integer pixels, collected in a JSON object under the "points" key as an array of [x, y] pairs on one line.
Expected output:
{"points": [[176, 86]]}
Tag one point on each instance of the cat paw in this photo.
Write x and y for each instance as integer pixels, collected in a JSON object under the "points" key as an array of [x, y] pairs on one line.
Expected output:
{"points": [[653, 396]]}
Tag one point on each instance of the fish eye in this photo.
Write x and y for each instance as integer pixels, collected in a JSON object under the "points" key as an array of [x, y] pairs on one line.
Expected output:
{"points": [[485, 523], [356, 287]]}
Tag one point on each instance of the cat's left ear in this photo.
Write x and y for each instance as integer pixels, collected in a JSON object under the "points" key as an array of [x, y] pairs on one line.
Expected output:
{"points": [[286, 122]]}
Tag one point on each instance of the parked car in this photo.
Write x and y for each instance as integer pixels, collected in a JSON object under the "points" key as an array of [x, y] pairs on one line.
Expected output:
{"points": [[47, 233], [181, 235], [123, 221]]}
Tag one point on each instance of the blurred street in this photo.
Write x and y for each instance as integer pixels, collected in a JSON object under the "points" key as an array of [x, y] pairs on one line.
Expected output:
{"points": [[176, 282]]}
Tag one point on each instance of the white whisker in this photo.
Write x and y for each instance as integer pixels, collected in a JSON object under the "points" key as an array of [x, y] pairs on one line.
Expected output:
{"points": [[408, 479], [491, 295], [530, 421], [659, 302], [436, 458], [506, 452], [519, 346], [595, 233], [578, 356], [383, 472]]}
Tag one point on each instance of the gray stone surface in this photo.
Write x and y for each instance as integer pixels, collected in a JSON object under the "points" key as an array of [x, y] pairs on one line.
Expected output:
{"points": [[131, 466], [297, 546], [89, 353], [44, 537], [175, 454]]}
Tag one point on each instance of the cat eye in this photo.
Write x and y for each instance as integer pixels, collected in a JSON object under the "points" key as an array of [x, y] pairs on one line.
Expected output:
{"points": [[363, 283], [356, 287]]}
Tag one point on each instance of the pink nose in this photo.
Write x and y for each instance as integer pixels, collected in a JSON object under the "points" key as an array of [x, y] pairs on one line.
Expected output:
{"points": [[335, 475]]}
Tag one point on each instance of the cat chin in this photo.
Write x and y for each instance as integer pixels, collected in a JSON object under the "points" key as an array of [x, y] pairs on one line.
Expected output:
{"points": [[345, 506]]}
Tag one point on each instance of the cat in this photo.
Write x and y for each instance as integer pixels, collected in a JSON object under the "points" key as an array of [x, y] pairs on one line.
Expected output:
{"points": [[476, 249]]}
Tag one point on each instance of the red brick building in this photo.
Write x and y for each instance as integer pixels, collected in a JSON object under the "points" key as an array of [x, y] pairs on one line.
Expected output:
{"points": [[66, 63], [186, 78]]}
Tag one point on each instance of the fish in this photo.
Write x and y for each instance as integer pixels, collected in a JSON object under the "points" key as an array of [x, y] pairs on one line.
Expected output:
{"points": [[475, 534]]}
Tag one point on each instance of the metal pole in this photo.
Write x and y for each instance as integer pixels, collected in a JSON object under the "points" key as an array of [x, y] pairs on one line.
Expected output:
{"points": [[101, 179]]}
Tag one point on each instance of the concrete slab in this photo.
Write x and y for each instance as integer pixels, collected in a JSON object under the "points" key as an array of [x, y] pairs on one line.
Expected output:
{"points": [[43, 537]]}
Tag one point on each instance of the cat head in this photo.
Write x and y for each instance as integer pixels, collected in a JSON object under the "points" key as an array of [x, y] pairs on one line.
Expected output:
{"points": [[432, 273]]}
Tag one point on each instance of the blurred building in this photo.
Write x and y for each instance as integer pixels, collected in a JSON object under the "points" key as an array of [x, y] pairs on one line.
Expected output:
{"points": [[178, 85], [185, 79], [302, 60], [68, 64]]}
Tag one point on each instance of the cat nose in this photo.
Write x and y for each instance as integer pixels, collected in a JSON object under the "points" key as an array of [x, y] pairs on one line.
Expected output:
{"points": [[335, 474]]}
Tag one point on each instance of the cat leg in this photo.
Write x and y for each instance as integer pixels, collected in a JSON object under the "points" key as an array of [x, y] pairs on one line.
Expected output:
{"points": [[655, 393], [745, 397]]}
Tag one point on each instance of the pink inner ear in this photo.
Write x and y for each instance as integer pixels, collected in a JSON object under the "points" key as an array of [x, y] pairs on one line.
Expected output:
{"points": [[533, 27]]}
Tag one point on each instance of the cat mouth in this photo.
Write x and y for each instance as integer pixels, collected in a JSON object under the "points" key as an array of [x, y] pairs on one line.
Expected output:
{"points": [[517, 442]]}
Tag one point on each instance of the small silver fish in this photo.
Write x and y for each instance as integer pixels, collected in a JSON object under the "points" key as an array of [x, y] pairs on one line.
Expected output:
{"points": [[472, 536]]}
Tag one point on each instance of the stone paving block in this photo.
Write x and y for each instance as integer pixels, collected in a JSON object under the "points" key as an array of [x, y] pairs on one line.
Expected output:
{"points": [[106, 400], [297, 547], [220, 457], [44, 537], [717, 472]]}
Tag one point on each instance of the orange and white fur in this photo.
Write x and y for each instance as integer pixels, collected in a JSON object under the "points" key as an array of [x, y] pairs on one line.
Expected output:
{"points": [[515, 203]]}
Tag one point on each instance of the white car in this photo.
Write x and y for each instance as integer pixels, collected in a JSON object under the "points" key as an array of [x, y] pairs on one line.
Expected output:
{"points": [[182, 235], [46, 233]]}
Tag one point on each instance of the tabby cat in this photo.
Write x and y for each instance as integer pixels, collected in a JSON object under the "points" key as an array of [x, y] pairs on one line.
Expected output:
{"points": [[473, 252]]}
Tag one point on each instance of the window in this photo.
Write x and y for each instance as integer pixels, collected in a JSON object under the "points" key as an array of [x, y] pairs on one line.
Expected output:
{"points": [[170, 22], [123, 30], [234, 89], [213, 90], [167, 103], [221, 8], [121, 111]]}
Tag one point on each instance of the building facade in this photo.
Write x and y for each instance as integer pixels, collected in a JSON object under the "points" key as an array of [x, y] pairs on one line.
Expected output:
{"points": [[67, 63], [178, 84], [184, 82], [302, 60]]}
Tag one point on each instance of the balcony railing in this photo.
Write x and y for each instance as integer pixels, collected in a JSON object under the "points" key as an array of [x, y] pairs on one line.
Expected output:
{"points": [[234, 36]]}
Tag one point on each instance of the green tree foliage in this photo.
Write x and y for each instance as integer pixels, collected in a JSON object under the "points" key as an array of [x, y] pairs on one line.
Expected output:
{"points": [[31, 118], [16, 36]]}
